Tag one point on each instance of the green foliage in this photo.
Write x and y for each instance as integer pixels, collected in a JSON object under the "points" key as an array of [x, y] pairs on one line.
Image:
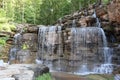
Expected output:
{"points": [[46, 76], [7, 27], [105, 1], [3, 41], [12, 27], [3, 20], [40, 11], [25, 46], [2, 13]]}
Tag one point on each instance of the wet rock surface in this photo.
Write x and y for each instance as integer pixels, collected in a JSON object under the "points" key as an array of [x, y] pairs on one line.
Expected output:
{"points": [[25, 56], [24, 44], [116, 55]]}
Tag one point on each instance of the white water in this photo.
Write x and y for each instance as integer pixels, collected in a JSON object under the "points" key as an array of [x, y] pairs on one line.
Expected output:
{"points": [[50, 45], [117, 77], [106, 67], [97, 20], [84, 42], [81, 40], [16, 47], [89, 42]]}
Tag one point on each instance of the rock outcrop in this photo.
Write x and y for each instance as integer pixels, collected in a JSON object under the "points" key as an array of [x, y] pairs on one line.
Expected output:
{"points": [[22, 71], [107, 15]]}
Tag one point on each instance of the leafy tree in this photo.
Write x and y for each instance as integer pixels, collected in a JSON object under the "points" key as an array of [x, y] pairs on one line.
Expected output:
{"points": [[42, 11]]}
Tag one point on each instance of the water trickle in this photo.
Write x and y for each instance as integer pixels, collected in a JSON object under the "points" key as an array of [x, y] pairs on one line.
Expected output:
{"points": [[1, 63], [16, 47], [97, 20], [73, 23]]}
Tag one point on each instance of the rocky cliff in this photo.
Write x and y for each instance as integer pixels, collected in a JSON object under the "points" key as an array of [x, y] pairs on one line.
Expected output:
{"points": [[108, 15]]}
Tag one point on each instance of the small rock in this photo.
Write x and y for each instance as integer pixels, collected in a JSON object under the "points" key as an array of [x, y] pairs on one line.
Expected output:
{"points": [[40, 69]]}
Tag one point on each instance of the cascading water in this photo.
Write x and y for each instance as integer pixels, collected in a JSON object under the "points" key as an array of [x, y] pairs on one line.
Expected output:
{"points": [[97, 20], [91, 44], [85, 51], [106, 67], [50, 46], [89, 51], [16, 47]]}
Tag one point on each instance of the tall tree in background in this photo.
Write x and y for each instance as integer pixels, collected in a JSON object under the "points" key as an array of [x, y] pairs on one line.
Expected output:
{"points": [[51, 10], [42, 11]]}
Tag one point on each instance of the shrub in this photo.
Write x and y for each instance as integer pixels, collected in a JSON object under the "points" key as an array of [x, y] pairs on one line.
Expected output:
{"points": [[46, 76], [3, 40], [7, 27]]}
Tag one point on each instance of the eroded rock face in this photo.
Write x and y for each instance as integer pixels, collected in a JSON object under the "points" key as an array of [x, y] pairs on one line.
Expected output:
{"points": [[25, 56], [30, 41], [32, 29], [25, 43], [114, 11], [109, 18], [116, 57]]}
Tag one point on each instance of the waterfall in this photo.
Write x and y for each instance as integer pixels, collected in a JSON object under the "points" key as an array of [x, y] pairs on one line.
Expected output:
{"points": [[16, 47], [75, 50], [88, 53], [106, 67], [50, 46], [90, 42]]}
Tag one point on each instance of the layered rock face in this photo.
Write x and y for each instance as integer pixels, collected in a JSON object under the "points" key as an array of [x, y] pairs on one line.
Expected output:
{"points": [[24, 45], [58, 46], [108, 16]]}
